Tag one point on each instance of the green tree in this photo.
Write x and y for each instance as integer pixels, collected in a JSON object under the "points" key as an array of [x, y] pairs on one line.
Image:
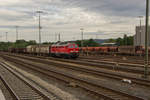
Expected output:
{"points": [[17, 44], [89, 43], [32, 42], [111, 41], [126, 40], [119, 41], [130, 40]]}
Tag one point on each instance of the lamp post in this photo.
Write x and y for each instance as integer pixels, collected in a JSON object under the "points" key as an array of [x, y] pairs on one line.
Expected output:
{"points": [[59, 37], [1, 38], [17, 33], [140, 17], [6, 36], [55, 37], [146, 40], [82, 36], [39, 12]]}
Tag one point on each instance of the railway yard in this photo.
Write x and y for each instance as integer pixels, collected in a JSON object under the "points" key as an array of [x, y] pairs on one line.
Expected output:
{"points": [[74, 50], [106, 77]]}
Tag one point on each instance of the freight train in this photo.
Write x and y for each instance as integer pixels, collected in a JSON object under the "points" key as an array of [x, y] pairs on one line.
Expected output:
{"points": [[71, 50], [65, 50]]}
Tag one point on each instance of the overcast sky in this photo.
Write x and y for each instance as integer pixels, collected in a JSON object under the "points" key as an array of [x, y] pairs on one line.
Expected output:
{"points": [[100, 18]]}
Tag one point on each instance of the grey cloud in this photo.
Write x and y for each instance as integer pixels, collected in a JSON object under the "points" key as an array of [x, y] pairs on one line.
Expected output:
{"points": [[111, 7], [14, 26], [106, 7], [58, 19]]}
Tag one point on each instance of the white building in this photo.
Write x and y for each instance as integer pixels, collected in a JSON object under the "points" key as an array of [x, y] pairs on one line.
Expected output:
{"points": [[139, 37]]}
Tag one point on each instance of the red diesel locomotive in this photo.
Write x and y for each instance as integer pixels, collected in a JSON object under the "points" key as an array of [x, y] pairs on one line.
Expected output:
{"points": [[66, 50]]}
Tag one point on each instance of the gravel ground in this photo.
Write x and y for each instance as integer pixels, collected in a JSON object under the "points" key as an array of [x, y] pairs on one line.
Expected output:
{"points": [[5, 92], [130, 88], [79, 93], [133, 89]]}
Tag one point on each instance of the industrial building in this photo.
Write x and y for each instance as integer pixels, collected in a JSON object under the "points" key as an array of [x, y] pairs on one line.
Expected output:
{"points": [[139, 37]]}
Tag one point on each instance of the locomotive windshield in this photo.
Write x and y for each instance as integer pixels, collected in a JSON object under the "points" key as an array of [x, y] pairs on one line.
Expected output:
{"points": [[76, 46], [73, 46]]}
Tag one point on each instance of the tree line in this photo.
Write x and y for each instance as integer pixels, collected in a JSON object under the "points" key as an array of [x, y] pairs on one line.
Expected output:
{"points": [[18, 44], [126, 40]]}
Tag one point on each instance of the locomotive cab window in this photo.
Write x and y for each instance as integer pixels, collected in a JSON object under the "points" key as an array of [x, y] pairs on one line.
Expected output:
{"points": [[71, 46], [76, 46]]}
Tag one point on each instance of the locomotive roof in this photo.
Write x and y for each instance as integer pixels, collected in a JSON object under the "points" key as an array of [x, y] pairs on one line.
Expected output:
{"points": [[62, 44]]}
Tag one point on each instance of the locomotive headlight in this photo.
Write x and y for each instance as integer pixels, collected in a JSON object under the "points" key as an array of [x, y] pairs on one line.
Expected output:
{"points": [[74, 51], [71, 51]]}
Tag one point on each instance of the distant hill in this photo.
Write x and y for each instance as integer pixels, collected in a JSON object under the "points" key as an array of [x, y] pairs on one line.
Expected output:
{"points": [[100, 40]]}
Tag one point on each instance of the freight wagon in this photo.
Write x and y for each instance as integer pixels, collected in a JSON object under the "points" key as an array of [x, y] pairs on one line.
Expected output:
{"points": [[99, 50], [121, 50], [127, 50]]}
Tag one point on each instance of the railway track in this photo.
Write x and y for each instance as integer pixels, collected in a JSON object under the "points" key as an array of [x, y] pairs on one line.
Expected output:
{"points": [[104, 91], [112, 62], [120, 59], [20, 88], [6, 93], [101, 72], [123, 67], [136, 78]]}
